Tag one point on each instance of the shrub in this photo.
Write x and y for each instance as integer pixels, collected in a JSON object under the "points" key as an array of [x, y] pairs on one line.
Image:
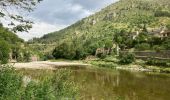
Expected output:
{"points": [[64, 85], [162, 14], [157, 48], [107, 65], [156, 62], [143, 46], [57, 87], [48, 56], [27, 56], [126, 58], [68, 51], [101, 55], [39, 91], [166, 44], [4, 51], [61, 53], [10, 84]]}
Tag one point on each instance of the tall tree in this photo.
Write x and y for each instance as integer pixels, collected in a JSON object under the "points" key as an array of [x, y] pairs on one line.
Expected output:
{"points": [[4, 51]]}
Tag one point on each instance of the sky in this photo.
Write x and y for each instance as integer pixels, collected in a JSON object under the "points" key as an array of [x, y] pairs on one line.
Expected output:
{"points": [[54, 15]]}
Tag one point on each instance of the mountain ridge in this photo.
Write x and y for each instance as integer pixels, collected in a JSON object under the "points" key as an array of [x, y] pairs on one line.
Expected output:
{"points": [[99, 28], [107, 13]]}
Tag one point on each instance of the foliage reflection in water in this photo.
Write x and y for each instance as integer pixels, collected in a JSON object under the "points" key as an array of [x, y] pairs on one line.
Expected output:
{"points": [[101, 84]]}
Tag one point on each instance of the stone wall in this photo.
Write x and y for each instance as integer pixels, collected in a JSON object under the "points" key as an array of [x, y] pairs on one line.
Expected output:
{"points": [[162, 55]]}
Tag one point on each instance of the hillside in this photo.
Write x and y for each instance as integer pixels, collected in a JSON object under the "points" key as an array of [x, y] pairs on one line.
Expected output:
{"points": [[9, 43], [97, 31], [8, 36]]}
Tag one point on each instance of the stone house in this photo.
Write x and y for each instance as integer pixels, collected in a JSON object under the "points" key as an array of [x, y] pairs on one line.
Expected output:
{"points": [[165, 34], [161, 32], [102, 51]]}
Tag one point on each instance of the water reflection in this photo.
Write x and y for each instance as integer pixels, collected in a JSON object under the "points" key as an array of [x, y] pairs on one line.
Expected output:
{"points": [[116, 84], [122, 85]]}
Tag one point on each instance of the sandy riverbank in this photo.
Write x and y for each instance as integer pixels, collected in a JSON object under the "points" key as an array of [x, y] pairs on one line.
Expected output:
{"points": [[47, 65]]}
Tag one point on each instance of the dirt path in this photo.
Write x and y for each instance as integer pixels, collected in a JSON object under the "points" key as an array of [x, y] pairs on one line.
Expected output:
{"points": [[47, 65]]}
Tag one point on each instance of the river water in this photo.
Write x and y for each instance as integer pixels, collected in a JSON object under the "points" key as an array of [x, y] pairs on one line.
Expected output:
{"points": [[104, 84]]}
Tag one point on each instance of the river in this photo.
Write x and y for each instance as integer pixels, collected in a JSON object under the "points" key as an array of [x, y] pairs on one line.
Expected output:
{"points": [[106, 84]]}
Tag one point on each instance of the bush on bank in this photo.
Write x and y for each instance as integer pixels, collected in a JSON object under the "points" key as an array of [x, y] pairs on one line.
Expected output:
{"points": [[126, 58], [156, 62], [57, 87]]}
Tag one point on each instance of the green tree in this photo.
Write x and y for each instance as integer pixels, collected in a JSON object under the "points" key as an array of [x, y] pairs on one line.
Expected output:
{"points": [[143, 46], [142, 38], [4, 51], [166, 44], [162, 13], [65, 50], [168, 26], [108, 44], [18, 5], [141, 21], [119, 39], [91, 49], [26, 55], [127, 58]]}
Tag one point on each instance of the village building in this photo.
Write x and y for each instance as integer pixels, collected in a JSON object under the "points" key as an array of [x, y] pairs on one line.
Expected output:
{"points": [[165, 34], [102, 51], [162, 32]]}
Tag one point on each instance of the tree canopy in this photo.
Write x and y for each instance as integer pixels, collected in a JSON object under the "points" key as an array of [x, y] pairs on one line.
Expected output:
{"points": [[4, 52], [16, 21]]}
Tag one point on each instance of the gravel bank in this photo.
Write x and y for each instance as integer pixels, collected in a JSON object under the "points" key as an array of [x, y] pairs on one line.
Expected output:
{"points": [[47, 65]]}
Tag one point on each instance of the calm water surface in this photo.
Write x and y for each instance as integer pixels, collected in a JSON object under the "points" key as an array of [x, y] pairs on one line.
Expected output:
{"points": [[105, 84]]}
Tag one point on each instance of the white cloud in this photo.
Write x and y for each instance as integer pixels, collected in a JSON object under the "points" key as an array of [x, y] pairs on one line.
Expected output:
{"points": [[39, 29], [76, 8], [53, 15]]}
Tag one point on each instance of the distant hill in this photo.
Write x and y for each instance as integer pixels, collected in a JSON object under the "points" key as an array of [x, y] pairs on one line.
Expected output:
{"points": [[97, 30]]}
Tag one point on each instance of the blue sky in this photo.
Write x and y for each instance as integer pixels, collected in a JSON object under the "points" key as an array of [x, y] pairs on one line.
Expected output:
{"points": [[53, 15]]}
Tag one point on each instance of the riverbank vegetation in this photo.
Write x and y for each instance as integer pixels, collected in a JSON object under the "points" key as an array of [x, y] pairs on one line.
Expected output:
{"points": [[114, 62], [14, 85]]}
